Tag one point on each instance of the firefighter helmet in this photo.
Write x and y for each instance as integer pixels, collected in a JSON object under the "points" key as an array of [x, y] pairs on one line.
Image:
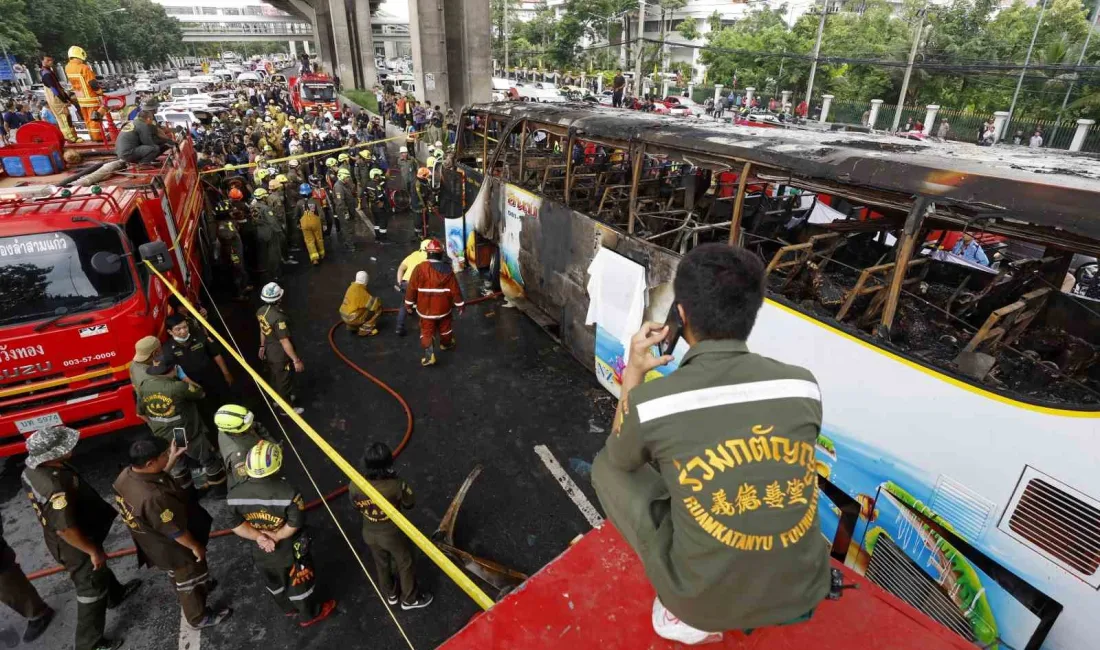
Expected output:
{"points": [[439, 145], [77, 52], [275, 185], [293, 163], [330, 162], [403, 150], [235, 194], [265, 459], [376, 174], [423, 173], [344, 157], [281, 178], [430, 162], [271, 292], [365, 154], [305, 189], [261, 174], [259, 193], [433, 247], [343, 174], [233, 419]]}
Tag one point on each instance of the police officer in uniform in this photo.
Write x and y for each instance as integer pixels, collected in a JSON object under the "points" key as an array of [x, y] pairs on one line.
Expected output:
{"points": [[276, 348], [166, 402], [238, 433], [269, 511], [389, 546], [202, 361], [344, 203], [231, 249], [756, 555], [169, 528], [17, 592], [268, 233], [75, 522], [140, 142]]}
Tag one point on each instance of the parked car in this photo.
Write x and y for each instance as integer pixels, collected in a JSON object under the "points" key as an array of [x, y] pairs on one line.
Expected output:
{"points": [[145, 86], [683, 106]]}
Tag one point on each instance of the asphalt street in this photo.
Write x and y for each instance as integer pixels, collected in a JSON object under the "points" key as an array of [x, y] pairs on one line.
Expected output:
{"points": [[505, 389]]}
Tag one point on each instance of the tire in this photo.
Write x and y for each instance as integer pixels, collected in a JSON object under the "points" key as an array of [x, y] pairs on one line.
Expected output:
{"points": [[401, 200]]}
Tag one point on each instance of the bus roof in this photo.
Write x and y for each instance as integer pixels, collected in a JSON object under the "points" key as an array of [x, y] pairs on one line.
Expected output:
{"points": [[1055, 190]]}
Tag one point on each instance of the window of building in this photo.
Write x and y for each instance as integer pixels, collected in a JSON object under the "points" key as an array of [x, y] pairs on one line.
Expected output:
{"points": [[255, 10], [179, 11], [231, 11], [209, 11]]}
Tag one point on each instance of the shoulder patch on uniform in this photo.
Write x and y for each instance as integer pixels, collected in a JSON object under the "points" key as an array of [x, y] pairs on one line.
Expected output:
{"points": [[298, 501], [59, 501], [282, 324], [192, 387], [166, 516]]}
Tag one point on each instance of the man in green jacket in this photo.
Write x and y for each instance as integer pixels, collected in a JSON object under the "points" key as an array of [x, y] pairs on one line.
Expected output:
{"points": [[167, 403], [726, 525]]}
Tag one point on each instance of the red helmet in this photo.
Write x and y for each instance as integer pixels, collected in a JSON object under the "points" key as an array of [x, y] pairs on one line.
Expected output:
{"points": [[433, 246], [235, 194]]}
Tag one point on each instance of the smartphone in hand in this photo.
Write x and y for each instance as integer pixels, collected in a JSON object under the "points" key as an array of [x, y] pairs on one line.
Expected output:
{"points": [[179, 436], [674, 325]]}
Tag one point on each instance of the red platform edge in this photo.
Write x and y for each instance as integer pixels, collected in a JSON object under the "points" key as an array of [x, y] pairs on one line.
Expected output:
{"points": [[596, 595]]}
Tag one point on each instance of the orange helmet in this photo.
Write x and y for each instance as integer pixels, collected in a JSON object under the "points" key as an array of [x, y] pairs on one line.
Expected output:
{"points": [[235, 194], [423, 173], [433, 246]]}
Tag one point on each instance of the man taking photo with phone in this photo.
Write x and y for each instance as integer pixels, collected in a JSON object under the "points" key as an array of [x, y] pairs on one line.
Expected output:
{"points": [[709, 473]]}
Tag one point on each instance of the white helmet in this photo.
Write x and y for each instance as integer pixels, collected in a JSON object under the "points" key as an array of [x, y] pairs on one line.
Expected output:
{"points": [[293, 163], [271, 292], [403, 150], [438, 144]]}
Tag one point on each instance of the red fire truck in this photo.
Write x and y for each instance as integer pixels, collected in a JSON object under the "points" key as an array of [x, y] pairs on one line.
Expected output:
{"points": [[314, 93], [75, 294]]}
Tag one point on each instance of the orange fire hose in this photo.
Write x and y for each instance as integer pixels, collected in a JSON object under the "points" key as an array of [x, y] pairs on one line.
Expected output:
{"points": [[42, 573]]}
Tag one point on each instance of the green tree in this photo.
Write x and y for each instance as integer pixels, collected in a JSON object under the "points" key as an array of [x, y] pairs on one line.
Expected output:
{"points": [[689, 28], [15, 33]]}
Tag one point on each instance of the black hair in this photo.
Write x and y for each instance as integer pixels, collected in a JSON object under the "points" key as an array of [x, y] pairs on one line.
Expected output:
{"points": [[174, 319], [378, 461], [721, 289], [146, 449]]}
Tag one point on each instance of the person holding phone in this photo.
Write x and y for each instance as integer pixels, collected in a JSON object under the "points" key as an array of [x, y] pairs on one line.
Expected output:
{"points": [[168, 403], [709, 473], [169, 527]]}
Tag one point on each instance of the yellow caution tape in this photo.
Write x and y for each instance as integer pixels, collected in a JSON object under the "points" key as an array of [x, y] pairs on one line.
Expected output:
{"points": [[418, 538], [312, 154]]}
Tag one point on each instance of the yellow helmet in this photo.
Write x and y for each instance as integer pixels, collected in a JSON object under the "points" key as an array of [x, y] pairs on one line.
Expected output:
{"points": [[365, 154], [282, 179], [330, 162], [259, 193], [77, 52], [265, 459], [344, 157], [233, 419], [275, 185], [260, 174]]}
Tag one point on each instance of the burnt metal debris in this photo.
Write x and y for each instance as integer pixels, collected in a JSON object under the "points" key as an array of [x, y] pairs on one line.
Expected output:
{"points": [[493, 573]]}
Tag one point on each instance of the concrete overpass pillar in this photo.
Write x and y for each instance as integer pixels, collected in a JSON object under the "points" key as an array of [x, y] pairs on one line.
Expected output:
{"points": [[365, 44], [322, 29], [293, 50], [344, 64], [429, 47], [305, 47], [468, 52]]}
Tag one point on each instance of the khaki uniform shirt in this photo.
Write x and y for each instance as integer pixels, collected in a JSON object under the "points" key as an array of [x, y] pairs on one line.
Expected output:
{"points": [[268, 504], [732, 434], [376, 522], [275, 327], [139, 372], [61, 499], [167, 403], [158, 512]]}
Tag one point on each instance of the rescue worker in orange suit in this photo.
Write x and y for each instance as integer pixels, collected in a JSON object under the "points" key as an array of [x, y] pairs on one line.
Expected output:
{"points": [[360, 310], [434, 292], [89, 96]]}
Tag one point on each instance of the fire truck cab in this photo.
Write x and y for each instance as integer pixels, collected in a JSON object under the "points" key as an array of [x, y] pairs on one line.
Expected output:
{"points": [[314, 93], [75, 294]]}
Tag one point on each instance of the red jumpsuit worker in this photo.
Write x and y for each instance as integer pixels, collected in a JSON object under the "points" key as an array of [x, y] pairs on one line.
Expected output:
{"points": [[434, 292]]}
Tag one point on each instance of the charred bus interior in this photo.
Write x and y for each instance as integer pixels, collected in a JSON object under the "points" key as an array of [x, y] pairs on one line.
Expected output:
{"points": [[855, 230]]}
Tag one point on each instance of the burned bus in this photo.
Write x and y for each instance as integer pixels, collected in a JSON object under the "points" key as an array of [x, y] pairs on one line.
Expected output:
{"points": [[944, 295]]}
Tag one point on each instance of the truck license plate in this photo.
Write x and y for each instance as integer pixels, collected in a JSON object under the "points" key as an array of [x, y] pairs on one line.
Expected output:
{"points": [[30, 425]]}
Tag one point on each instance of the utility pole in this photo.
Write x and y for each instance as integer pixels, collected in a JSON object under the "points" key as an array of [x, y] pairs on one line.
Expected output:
{"points": [[817, 50], [505, 35], [641, 43], [909, 68], [1027, 60], [1080, 59]]}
